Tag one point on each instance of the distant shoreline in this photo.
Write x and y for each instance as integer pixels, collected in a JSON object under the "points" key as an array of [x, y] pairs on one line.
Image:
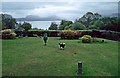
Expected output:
{"points": [[40, 24], [38, 20]]}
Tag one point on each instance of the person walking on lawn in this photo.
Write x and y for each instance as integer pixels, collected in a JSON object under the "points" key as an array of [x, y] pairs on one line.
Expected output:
{"points": [[45, 38]]}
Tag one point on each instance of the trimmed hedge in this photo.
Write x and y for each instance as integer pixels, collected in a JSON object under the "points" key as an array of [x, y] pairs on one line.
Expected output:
{"points": [[39, 33], [112, 35]]}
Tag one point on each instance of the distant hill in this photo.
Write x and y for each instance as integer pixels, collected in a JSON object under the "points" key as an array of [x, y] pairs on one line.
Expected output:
{"points": [[37, 18]]}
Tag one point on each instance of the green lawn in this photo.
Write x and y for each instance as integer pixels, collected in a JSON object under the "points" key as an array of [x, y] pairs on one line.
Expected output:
{"points": [[29, 57]]}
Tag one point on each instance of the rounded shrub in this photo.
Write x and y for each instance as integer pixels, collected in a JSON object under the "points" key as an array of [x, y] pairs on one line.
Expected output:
{"points": [[8, 34], [86, 39]]}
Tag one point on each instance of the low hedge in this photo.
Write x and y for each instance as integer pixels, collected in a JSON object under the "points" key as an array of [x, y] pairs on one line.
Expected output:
{"points": [[39, 33], [56, 33], [111, 35]]}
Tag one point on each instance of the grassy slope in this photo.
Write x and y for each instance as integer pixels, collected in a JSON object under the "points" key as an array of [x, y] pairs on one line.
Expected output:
{"points": [[28, 56]]}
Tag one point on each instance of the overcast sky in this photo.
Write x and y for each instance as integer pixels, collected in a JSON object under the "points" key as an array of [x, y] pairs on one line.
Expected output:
{"points": [[59, 0], [63, 9]]}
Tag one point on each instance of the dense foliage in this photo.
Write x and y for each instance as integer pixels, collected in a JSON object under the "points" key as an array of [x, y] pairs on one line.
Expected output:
{"points": [[64, 23], [8, 34], [91, 21], [53, 26], [69, 34], [7, 21], [76, 26], [26, 26]]}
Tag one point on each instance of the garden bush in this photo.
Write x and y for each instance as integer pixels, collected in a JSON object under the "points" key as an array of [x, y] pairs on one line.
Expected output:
{"points": [[69, 34], [8, 34], [86, 39]]}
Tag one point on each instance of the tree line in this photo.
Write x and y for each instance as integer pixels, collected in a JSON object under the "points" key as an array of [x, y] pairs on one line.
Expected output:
{"points": [[89, 21], [8, 22]]}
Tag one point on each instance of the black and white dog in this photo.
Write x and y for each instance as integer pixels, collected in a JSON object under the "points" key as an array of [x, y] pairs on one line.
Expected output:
{"points": [[62, 46]]}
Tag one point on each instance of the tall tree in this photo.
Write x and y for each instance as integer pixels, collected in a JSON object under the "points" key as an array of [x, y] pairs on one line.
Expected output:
{"points": [[8, 22], [78, 26], [61, 27], [26, 26], [99, 24], [53, 26], [89, 17], [64, 23]]}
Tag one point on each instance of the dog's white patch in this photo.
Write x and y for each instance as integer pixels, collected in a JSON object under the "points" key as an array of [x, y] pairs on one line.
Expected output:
{"points": [[64, 43], [61, 47]]}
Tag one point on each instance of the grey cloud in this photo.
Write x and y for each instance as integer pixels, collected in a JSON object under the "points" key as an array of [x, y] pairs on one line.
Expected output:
{"points": [[21, 9]]}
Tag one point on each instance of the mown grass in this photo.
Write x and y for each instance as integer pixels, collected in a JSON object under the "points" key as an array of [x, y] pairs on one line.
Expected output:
{"points": [[29, 57]]}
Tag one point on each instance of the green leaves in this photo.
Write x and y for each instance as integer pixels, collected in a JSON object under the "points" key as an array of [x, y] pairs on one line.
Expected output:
{"points": [[65, 24], [26, 26], [78, 26], [8, 22], [98, 24], [53, 26]]}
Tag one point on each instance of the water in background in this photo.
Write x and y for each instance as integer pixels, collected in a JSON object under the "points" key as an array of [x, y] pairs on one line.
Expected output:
{"points": [[41, 24]]}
